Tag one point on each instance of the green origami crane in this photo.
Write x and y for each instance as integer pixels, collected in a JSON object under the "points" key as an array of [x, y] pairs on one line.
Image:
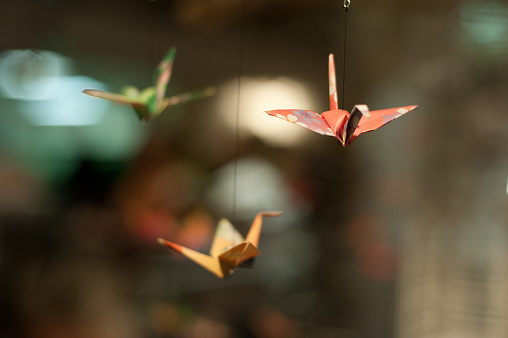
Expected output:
{"points": [[151, 101]]}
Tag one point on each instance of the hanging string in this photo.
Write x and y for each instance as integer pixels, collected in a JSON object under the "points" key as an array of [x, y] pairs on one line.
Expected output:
{"points": [[238, 105], [346, 7]]}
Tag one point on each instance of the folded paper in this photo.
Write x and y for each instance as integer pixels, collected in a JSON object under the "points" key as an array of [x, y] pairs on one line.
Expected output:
{"points": [[229, 249], [151, 101], [344, 126]]}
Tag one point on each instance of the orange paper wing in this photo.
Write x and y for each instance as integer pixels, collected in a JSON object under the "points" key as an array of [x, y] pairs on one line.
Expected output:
{"points": [[381, 117], [226, 236], [210, 263], [304, 118]]}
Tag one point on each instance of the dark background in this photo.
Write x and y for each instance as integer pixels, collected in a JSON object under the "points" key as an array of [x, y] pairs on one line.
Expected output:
{"points": [[403, 233]]}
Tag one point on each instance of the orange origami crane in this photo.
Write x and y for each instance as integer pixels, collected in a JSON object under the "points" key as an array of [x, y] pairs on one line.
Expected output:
{"points": [[339, 123], [229, 249]]}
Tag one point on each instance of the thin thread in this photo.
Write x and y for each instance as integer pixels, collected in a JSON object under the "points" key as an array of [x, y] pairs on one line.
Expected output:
{"points": [[238, 105], [344, 60]]}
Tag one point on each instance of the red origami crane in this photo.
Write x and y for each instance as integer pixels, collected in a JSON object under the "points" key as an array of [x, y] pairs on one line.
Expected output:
{"points": [[336, 122]]}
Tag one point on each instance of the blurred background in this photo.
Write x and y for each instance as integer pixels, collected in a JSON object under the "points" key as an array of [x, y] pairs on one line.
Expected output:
{"points": [[402, 234]]}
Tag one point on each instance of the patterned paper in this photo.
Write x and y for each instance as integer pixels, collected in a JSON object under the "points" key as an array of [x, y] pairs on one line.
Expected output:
{"points": [[344, 126]]}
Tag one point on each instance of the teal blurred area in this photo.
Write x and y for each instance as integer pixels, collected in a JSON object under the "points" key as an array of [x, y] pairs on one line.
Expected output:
{"points": [[401, 234]]}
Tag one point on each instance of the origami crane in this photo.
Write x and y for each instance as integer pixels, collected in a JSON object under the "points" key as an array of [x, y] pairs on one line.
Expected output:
{"points": [[339, 123], [151, 101], [229, 249]]}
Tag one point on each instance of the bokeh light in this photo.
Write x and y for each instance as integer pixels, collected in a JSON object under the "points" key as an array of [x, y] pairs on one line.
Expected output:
{"points": [[259, 95]]}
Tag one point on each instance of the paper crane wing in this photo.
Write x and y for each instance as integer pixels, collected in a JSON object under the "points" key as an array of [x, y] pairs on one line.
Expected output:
{"points": [[118, 98], [381, 117], [140, 108], [303, 118], [226, 236], [188, 96], [210, 263]]}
